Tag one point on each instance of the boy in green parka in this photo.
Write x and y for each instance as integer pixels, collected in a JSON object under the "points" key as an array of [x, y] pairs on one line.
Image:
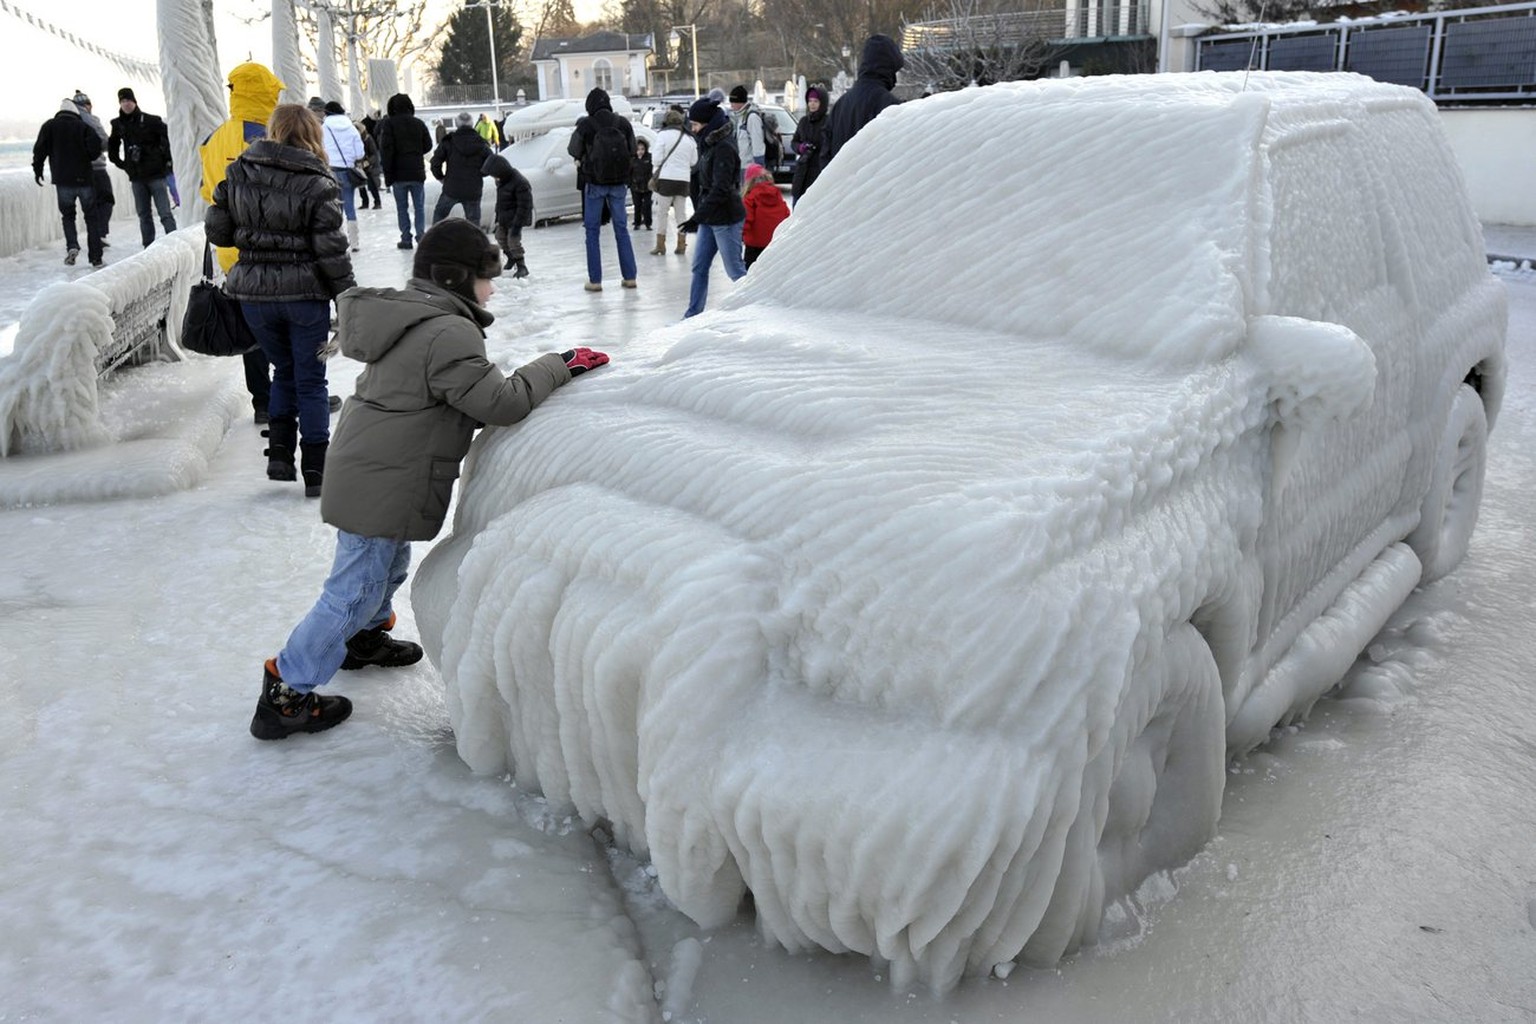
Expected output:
{"points": [[394, 457]]}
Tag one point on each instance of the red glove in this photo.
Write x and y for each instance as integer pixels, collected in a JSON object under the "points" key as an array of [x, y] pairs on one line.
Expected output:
{"points": [[580, 360]]}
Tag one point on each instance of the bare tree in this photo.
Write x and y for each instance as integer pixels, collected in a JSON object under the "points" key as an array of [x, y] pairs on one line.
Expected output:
{"points": [[961, 42], [814, 33]]}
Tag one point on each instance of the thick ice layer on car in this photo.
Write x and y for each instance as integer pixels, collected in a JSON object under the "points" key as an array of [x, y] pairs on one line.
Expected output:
{"points": [[877, 591]]}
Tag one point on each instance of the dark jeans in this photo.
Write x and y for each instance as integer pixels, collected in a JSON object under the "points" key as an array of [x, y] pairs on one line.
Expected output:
{"points": [[348, 182], [595, 200], [101, 181], [156, 190], [291, 335], [258, 378], [446, 202], [87, 197], [410, 194]]}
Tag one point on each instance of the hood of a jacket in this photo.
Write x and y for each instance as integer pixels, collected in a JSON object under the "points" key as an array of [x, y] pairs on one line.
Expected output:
{"points": [[497, 167], [717, 132], [339, 122], [881, 60], [820, 94], [290, 158], [253, 92], [371, 321], [597, 100], [398, 104]]}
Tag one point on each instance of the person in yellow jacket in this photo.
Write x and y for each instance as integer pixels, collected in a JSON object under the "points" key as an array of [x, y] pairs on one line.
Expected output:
{"points": [[486, 129], [253, 95]]}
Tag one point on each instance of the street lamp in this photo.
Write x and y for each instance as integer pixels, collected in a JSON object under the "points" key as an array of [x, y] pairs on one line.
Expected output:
{"points": [[673, 39], [490, 30]]}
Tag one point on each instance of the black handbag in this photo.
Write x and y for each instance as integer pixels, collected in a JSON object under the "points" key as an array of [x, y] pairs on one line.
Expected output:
{"points": [[213, 324]]}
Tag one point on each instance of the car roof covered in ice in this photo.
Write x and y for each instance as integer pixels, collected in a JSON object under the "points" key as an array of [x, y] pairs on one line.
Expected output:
{"points": [[1119, 214]]}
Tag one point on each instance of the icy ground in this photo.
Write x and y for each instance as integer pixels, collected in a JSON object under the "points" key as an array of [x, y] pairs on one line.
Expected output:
{"points": [[1375, 865]]}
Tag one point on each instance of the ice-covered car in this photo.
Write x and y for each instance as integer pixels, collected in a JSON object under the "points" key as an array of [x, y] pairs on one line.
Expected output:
{"points": [[929, 606], [552, 173]]}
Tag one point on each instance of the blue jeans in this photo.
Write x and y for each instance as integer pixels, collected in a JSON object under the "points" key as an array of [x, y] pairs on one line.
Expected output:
{"points": [[67, 195], [291, 336], [446, 202], [712, 238], [358, 595], [592, 202], [348, 184], [416, 193], [157, 190]]}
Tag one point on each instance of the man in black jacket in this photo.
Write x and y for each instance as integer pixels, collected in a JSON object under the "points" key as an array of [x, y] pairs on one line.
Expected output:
{"points": [[871, 94], [603, 146], [69, 145], [141, 146], [404, 143], [456, 163]]}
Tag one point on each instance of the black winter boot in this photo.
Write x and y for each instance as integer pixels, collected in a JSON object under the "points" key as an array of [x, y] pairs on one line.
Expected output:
{"points": [[282, 435], [281, 712], [376, 647], [522, 269], [312, 462]]}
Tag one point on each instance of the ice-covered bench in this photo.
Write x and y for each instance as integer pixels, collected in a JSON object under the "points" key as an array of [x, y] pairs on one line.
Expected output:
{"points": [[76, 332]]}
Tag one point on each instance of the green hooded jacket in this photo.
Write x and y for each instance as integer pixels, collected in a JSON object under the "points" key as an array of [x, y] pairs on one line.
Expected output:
{"points": [[427, 386]]}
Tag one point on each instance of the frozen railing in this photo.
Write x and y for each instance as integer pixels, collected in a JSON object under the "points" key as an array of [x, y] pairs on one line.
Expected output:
{"points": [[1477, 54], [29, 215], [76, 332]]}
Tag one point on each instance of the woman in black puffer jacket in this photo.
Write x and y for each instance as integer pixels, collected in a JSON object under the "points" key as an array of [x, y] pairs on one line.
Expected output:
{"points": [[280, 206]]}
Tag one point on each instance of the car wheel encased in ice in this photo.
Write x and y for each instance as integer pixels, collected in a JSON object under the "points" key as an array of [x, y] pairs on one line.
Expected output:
{"points": [[1449, 512]]}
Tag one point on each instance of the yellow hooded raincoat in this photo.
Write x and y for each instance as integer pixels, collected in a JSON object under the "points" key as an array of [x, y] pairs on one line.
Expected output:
{"points": [[253, 95]]}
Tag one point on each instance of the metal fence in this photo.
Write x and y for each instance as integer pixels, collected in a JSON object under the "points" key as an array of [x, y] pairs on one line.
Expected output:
{"points": [[1479, 54], [138, 330]]}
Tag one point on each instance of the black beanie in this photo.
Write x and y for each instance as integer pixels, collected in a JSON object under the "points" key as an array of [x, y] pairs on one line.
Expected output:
{"points": [[453, 253], [125, 93], [334, 108], [739, 94]]}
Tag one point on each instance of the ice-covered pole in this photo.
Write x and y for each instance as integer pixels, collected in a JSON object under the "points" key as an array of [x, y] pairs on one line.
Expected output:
{"points": [[286, 62], [325, 55], [354, 80], [195, 102]]}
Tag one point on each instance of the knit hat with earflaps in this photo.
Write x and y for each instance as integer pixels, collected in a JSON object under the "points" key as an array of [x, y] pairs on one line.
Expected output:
{"points": [[453, 253]]}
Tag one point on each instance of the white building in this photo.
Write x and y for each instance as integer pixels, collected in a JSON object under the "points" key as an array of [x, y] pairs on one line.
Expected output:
{"points": [[612, 61]]}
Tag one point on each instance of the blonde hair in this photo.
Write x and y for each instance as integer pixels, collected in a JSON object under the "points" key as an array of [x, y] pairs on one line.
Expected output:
{"points": [[294, 125], [764, 175]]}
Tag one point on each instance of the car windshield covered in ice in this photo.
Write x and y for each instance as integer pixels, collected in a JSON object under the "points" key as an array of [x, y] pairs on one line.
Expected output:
{"points": [[925, 587]]}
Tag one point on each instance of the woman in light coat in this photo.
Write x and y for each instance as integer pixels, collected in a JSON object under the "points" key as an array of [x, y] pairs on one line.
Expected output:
{"points": [[675, 154], [343, 148]]}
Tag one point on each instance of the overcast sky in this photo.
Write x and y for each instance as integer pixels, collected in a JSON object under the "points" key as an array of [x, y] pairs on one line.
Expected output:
{"points": [[40, 69]]}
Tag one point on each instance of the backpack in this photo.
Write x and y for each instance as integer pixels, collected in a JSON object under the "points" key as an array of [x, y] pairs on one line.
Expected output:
{"points": [[773, 142], [607, 159]]}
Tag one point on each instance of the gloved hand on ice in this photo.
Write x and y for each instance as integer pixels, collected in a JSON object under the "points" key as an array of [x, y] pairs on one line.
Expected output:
{"points": [[580, 360]]}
